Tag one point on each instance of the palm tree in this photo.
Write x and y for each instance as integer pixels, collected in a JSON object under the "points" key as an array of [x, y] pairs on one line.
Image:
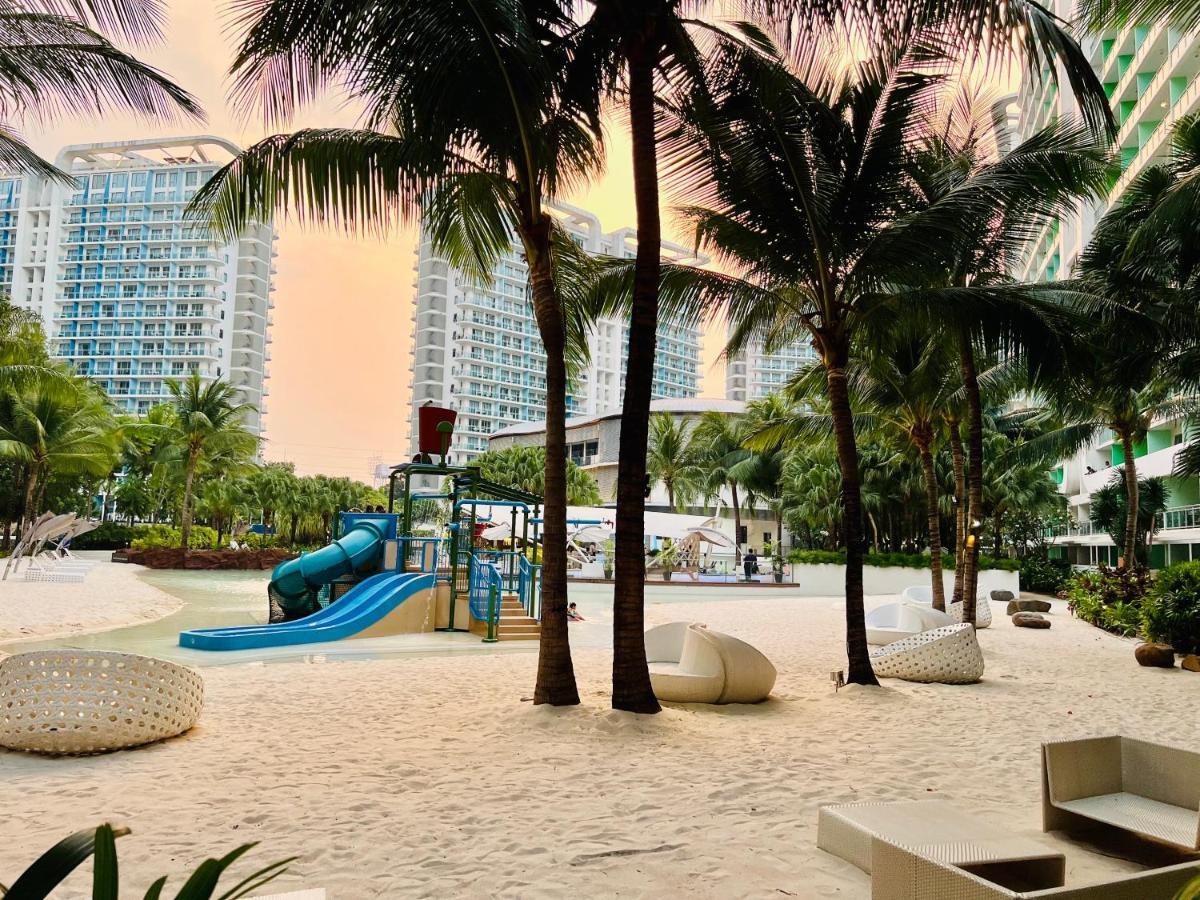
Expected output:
{"points": [[1099, 15], [208, 422], [469, 117], [220, 501], [670, 459], [525, 468], [54, 61], [653, 43], [61, 426], [1110, 511], [719, 441]]}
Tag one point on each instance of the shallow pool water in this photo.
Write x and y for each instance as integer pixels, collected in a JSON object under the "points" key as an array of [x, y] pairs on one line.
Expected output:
{"points": [[223, 599]]}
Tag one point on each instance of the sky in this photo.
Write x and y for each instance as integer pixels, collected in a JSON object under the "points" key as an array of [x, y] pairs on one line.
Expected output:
{"points": [[338, 402]]}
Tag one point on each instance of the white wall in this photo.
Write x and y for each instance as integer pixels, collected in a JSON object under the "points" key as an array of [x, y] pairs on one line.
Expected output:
{"points": [[830, 580]]}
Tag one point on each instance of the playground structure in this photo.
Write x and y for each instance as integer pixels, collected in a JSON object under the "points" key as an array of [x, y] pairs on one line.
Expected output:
{"points": [[378, 577]]}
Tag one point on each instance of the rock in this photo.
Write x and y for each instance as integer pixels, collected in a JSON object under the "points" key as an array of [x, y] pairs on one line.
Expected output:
{"points": [[1161, 656], [1018, 606], [1191, 662], [174, 558], [1030, 620], [1002, 596]]}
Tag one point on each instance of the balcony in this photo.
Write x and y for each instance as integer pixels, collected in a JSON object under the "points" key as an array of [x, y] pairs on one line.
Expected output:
{"points": [[1179, 517]]}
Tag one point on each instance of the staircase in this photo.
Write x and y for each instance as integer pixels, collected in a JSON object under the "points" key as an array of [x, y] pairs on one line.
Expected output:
{"points": [[513, 625]]}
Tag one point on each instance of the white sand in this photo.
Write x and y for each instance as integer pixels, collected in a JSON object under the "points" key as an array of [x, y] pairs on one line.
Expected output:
{"points": [[112, 595], [428, 777]]}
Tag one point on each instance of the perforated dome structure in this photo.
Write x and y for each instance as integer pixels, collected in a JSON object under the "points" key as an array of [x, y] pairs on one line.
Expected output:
{"points": [[77, 701], [947, 655]]}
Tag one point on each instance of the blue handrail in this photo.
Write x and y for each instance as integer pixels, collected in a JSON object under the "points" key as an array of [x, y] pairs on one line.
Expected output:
{"points": [[530, 588], [484, 604]]}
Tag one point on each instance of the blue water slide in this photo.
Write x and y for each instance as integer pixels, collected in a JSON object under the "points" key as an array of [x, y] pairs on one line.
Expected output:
{"points": [[361, 607], [294, 581]]}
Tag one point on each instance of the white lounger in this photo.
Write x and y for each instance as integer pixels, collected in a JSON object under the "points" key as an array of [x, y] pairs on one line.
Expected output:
{"points": [[690, 664], [922, 594], [895, 621]]}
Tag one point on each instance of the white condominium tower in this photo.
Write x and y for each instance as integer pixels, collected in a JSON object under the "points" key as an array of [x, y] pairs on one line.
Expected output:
{"points": [[1150, 73], [476, 348], [754, 373], [133, 294]]}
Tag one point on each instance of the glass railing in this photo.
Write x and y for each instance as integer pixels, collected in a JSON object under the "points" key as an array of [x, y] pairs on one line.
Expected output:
{"points": [[1180, 517]]}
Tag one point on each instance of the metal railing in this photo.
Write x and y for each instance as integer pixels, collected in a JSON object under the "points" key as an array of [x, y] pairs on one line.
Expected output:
{"points": [[530, 588], [1179, 517], [425, 554], [484, 594]]}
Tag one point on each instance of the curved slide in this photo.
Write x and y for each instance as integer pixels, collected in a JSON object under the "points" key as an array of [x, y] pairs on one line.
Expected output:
{"points": [[363, 606], [295, 580]]}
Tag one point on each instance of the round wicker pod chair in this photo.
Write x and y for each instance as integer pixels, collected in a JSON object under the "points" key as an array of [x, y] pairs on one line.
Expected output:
{"points": [[93, 701], [946, 655], [922, 595]]}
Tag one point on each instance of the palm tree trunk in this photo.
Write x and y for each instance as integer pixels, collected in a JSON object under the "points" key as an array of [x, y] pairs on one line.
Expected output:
{"points": [[185, 522], [670, 496], [631, 676], [737, 525], [974, 522], [960, 506], [1131, 500], [858, 656], [935, 525], [556, 673], [28, 513]]}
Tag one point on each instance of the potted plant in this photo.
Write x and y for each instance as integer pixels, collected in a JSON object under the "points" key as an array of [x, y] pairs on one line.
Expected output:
{"points": [[777, 568], [608, 549]]}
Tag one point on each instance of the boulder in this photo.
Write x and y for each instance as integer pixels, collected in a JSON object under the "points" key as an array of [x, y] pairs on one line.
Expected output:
{"points": [[1161, 656], [1020, 606], [1191, 662], [1030, 620], [1002, 596]]}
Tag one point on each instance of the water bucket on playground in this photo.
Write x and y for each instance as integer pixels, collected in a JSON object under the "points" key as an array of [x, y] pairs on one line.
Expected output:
{"points": [[430, 439]]}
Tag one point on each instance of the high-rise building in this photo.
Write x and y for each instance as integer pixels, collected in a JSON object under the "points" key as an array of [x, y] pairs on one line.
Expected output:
{"points": [[755, 373], [1150, 73], [476, 348], [132, 293]]}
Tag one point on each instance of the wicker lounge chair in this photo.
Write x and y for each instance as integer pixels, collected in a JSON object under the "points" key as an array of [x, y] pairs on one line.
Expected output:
{"points": [[690, 664], [1144, 788], [895, 621], [922, 595], [902, 873], [79, 701], [947, 655]]}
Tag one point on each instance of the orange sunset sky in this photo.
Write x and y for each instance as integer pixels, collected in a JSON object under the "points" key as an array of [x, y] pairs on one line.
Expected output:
{"points": [[343, 305]]}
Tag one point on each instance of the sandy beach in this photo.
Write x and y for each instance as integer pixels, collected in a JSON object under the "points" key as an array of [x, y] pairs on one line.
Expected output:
{"points": [[112, 596], [429, 777]]}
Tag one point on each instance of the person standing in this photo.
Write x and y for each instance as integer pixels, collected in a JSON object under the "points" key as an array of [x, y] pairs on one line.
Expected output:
{"points": [[750, 563]]}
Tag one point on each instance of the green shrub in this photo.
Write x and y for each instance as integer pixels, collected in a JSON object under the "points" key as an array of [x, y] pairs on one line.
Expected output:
{"points": [[1171, 611], [149, 537], [1111, 599], [894, 560], [1044, 575], [53, 867], [109, 536]]}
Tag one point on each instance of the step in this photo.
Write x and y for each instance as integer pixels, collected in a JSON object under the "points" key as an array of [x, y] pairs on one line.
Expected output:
{"points": [[522, 621], [519, 636]]}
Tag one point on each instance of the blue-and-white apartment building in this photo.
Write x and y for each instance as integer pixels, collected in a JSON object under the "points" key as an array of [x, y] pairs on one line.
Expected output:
{"points": [[476, 349], [132, 294], [1152, 76]]}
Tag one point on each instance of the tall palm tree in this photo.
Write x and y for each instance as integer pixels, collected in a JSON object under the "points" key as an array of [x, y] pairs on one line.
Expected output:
{"points": [[469, 117], [1099, 15], [719, 442], [208, 421], [670, 459], [55, 61]]}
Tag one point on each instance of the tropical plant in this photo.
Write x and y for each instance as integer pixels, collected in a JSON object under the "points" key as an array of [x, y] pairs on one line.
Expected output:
{"points": [[718, 446], [1110, 511], [1171, 610], [525, 468], [478, 134], [100, 845], [671, 460], [1044, 574], [208, 422], [220, 501], [55, 62], [60, 425], [1109, 598]]}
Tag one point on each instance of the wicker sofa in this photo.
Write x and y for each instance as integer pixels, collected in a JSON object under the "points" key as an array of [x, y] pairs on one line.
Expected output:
{"points": [[1145, 788], [946, 655], [898, 873]]}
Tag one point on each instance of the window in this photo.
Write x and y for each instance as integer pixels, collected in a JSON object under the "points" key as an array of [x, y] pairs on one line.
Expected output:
{"points": [[160, 179]]}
